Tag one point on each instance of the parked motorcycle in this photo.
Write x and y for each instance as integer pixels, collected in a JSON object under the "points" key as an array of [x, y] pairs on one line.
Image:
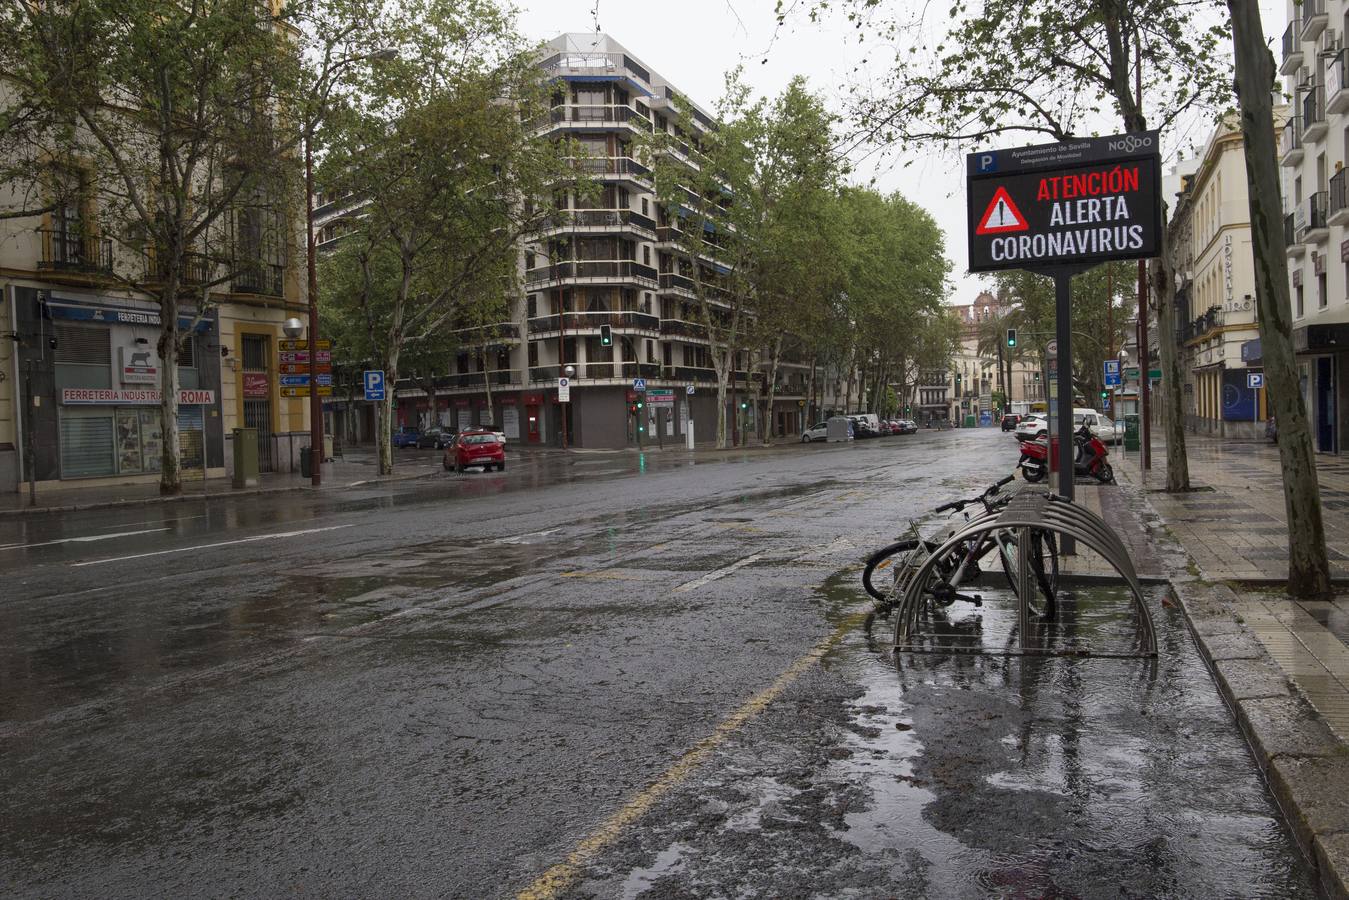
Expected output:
{"points": [[1089, 459]]}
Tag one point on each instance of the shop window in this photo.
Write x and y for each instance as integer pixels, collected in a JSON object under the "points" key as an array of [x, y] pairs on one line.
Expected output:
{"points": [[83, 357]]}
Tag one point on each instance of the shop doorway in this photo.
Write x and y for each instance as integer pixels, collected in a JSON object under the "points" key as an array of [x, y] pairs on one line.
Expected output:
{"points": [[258, 415], [1325, 404]]}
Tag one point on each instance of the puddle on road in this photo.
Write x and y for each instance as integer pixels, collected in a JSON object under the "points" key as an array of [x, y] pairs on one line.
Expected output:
{"points": [[961, 775]]}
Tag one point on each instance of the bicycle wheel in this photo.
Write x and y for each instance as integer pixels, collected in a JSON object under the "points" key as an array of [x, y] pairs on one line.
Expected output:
{"points": [[1044, 565], [881, 560]]}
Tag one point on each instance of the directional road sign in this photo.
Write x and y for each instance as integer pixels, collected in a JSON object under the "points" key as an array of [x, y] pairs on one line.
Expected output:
{"points": [[374, 384], [564, 390], [1112, 374]]}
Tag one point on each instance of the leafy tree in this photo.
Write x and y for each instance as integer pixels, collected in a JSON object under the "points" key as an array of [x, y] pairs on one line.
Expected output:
{"points": [[1060, 66], [174, 127], [1308, 565], [440, 150]]}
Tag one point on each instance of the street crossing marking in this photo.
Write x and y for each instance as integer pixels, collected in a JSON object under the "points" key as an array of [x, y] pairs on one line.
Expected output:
{"points": [[556, 880], [247, 540], [719, 573]]}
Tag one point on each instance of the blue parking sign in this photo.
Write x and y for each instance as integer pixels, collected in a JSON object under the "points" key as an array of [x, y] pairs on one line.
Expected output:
{"points": [[374, 384]]}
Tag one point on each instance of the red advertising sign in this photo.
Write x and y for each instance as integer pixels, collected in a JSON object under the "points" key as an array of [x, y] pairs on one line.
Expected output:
{"points": [[256, 385]]}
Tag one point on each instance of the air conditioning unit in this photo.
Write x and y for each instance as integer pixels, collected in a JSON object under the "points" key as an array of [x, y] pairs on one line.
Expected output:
{"points": [[1329, 43]]}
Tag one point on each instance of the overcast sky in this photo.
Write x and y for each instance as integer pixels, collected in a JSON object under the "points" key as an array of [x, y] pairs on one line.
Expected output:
{"points": [[693, 43]]}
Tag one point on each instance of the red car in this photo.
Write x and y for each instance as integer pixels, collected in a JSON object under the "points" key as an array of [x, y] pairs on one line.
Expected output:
{"points": [[475, 448]]}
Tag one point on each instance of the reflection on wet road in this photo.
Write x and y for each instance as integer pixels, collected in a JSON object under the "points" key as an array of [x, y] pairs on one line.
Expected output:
{"points": [[443, 687]]}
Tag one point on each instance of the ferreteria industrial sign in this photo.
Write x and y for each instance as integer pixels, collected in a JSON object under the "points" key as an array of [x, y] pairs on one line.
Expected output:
{"points": [[1075, 203]]}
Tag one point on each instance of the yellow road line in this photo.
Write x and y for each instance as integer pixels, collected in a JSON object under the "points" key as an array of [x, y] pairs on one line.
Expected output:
{"points": [[558, 878]]}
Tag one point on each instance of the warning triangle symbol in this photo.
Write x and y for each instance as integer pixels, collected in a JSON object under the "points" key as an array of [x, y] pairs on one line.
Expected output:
{"points": [[1001, 215]]}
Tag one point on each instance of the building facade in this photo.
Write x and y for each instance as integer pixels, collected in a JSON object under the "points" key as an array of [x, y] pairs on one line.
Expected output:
{"points": [[80, 374], [1313, 150], [1217, 334], [604, 293]]}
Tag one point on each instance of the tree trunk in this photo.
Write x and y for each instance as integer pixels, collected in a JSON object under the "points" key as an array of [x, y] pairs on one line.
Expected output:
{"points": [[812, 408], [1173, 415], [773, 358], [386, 407], [170, 466], [487, 386], [1308, 566]]}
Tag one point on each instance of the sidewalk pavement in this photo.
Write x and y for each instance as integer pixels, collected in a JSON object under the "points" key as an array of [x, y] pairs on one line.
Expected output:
{"points": [[1282, 664], [358, 466]]}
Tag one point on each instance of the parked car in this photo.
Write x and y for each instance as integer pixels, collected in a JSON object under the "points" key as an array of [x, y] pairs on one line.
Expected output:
{"points": [[1105, 428], [906, 426], [1032, 427], [817, 432], [475, 448], [435, 438], [1010, 420], [862, 428], [406, 436], [887, 428]]}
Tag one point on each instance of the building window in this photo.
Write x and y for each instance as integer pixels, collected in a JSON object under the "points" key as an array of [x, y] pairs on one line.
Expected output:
{"points": [[533, 353], [532, 306], [645, 209], [1321, 291], [83, 357], [1298, 307], [646, 255], [650, 351], [254, 352]]}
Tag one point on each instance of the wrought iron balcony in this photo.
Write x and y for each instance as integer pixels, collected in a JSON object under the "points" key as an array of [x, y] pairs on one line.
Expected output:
{"points": [[195, 269], [591, 321], [256, 277], [70, 251], [1290, 148], [1292, 48], [616, 269]]}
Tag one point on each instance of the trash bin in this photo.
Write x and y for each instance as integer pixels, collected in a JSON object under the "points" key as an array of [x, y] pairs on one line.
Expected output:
{"points": [[306, 463], [1131, 433], [245, 457]]}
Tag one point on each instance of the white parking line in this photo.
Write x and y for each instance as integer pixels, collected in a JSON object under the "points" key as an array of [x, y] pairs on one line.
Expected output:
{"points": [[247, 540], [85, 539], [719, 573], [523, 538]]}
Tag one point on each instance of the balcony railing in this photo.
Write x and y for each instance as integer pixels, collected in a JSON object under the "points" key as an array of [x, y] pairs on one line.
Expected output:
{"points": [[1209, 321], [606, 218], [68, 251], [1292, 40], [1290, 236], [694, 373], [671, 281], [585, 113], [1313, 19], [195, 270], [1292, 137], [591, 269], [610, 165], [680, 328], [583, 321], [596, 62], [1313, 107], [641, 370], [254, 277], [1316, 211], [1338, 207]]}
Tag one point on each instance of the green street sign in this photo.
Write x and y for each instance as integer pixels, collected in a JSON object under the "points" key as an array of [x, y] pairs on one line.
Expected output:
{"points": [[1154, 373]]}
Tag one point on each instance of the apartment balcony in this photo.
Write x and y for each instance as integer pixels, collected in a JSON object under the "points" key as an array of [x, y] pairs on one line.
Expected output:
{"points": [[1314, 19], [1313, 114], [676, 285], [256, 277], [1294, 224], [622, 168], [603, 220], [1337, 83], [1316, 231], [471, 380], [591, 272], [594, 117], [618, 65], [586, 322], [1337, 213], [678, 328], [1290, 146], [1292, 48], [71, 252], [1202, 327], [196, 269]]}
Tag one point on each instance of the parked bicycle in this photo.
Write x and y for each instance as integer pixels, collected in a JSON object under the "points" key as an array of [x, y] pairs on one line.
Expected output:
{"points": [[948, 580]]}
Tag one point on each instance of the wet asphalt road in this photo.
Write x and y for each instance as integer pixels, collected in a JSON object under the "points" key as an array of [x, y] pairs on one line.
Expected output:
{"points": [[646, 665]]}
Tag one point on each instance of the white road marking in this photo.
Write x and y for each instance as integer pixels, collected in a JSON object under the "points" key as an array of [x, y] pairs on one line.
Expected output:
{"points": [[523, 538], [719, 573], [247, 540], [85, 539]]}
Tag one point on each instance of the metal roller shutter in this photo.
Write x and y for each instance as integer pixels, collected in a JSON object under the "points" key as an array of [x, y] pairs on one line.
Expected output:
{"points": [[87, 447]]}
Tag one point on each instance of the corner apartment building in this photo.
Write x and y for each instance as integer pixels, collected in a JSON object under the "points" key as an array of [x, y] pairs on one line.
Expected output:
{"points": [[1217, 332], [613, 261], [1314, 149]]}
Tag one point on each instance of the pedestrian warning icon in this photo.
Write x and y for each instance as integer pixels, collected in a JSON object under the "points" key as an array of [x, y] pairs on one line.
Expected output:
{"points": [[1001, 215]]}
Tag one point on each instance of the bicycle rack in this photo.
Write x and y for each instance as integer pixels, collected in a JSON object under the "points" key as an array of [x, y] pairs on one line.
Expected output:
{"points": [[1024, 513]]}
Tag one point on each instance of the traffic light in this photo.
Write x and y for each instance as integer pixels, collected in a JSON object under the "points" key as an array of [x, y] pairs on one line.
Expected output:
{"points": [[744, 404], [606, 336], [632, 409], [1104, 394], [1011, 337], [640, 405]]}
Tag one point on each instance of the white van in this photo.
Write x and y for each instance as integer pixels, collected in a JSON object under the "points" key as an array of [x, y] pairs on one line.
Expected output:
{"points": [[872, 421]]}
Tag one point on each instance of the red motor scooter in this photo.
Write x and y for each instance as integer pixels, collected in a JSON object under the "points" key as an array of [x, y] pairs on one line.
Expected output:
{"points": [[1089, 459]]}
